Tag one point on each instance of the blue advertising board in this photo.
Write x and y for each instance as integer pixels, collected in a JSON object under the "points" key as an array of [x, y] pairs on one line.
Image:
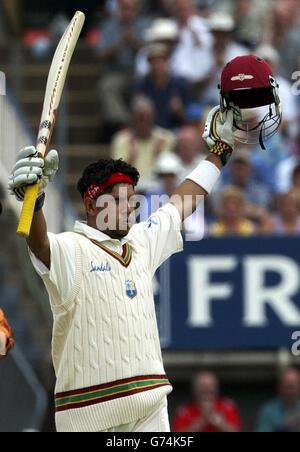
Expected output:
{"points": [[230, 294]]}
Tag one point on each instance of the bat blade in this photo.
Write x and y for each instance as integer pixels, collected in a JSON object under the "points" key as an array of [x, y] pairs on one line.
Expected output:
{"points": [[55, 85]]}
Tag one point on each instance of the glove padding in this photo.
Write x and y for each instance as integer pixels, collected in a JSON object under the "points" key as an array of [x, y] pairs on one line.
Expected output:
{"points": [[6, 339], [218, 128], [31, 169]]}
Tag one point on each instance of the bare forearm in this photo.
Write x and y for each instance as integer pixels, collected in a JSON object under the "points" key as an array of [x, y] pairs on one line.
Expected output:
{"points": [[38, 241]]}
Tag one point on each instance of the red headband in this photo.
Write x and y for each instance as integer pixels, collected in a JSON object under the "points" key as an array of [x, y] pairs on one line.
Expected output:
{"points": [[95, 190]]}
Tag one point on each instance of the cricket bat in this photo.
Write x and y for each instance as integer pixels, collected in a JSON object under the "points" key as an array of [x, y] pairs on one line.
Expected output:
{"points": [[55, 85]]}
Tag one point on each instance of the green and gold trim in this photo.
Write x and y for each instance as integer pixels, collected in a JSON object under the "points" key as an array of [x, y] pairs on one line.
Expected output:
{"points": [[124, 259], [106, 393]]}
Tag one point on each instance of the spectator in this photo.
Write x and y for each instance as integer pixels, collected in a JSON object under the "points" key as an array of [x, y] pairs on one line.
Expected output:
{"points": [[141, 144], [168, 173], [231, 214], [169, 94], [161, 8], [286, 221], [225, 49], [265, 163], [241, 176], [284, 34], [190, 149], [189, 155], [222, 26], [251, 17], [283, 413], [162, 31], [167, 176], [209, 412], [288, 101], [121, 38], [192, 58], [285, 169]]}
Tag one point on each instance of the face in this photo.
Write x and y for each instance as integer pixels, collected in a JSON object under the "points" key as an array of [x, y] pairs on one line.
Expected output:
{"points": [[244, 6], [113, 213], [241, 173], [289, 386], [222, 39], [159, 66], [232, 209], [143, 120], [206, 388], [188, 144], [286, 11], [183, 10], [128, 10]]}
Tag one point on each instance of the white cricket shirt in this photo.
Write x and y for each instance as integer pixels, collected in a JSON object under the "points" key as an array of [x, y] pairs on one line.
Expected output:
{"points": [[106, 349]]}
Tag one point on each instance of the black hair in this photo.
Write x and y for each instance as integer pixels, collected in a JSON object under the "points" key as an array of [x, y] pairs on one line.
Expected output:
{"points": [[100, 171]]}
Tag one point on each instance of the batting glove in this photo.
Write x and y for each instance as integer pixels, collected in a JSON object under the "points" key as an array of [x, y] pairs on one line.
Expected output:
{"points": [[31, 169], [218, 129]]}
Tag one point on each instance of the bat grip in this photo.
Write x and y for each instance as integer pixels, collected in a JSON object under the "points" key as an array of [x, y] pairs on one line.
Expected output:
{"points": [[28, 210]]}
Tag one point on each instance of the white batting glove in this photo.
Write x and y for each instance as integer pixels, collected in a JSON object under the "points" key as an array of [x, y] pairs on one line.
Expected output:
{"points": [[218, 128], [31, 169]]}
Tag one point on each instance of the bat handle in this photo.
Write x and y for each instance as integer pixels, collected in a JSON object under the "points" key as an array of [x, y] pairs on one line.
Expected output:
{"points": [[28, 210]]}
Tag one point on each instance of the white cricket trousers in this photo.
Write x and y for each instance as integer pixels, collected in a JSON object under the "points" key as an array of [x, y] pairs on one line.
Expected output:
{"points": [[157, 422]]}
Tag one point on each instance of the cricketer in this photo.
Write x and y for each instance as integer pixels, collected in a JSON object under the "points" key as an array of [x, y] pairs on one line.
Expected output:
{"points": [[106, 350]]}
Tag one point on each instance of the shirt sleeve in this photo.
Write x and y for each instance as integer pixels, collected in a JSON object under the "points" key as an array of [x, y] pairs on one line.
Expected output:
{"points": [[161, 235], [60, 279]]}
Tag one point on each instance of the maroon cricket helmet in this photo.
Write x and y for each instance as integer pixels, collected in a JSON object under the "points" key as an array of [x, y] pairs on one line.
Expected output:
{"points": [[248, 86]]}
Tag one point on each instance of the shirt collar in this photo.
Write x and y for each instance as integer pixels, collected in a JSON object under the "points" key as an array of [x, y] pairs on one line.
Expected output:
{"points": [[94, 234]]}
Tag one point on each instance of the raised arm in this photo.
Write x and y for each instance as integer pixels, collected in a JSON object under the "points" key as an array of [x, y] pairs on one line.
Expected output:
{"points": [[30, 169], [38, 241], [219, 137]]}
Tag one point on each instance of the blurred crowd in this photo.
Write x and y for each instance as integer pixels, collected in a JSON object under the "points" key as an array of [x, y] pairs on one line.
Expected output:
{"points": [[210, 412], [162, 62]]}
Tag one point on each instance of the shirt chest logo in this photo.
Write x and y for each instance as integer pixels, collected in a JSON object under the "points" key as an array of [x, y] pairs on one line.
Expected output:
{"points": [[131, 290], [102, 268]]}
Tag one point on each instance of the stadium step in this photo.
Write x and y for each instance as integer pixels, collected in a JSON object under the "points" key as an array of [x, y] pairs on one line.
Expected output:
{"points": [[88, 151], [75, 105], [41, 70], [79, 128], [83, 54], [80, 156]]}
